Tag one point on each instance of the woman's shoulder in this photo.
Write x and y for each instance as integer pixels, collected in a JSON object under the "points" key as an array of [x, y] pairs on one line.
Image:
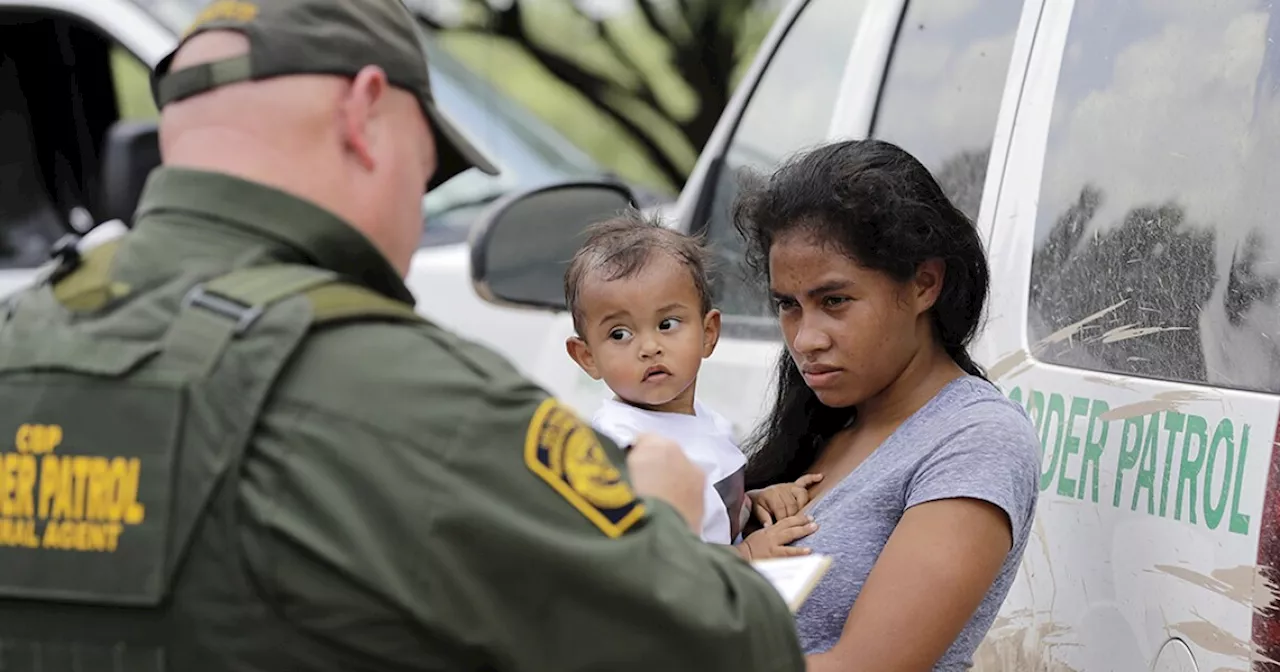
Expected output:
{"points": [[980, 445], [970, 400], [973, 415], [967, 392]]}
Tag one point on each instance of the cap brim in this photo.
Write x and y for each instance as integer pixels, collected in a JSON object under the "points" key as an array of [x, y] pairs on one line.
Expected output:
{"points": [[454, 152]]}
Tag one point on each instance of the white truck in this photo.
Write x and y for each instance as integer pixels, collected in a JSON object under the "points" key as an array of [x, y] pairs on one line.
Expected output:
{"points": [[1120, 159]]}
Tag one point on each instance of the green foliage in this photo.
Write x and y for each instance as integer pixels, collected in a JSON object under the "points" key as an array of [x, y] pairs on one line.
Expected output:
{"points": [[133, 86], [640, 91]]}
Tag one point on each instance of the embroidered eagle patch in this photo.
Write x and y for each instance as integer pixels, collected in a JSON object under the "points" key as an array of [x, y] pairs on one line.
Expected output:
{"points": [[564, 451]]}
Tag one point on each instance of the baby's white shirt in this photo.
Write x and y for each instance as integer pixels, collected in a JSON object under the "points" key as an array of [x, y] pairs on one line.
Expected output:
{"points": [[707, 440]]}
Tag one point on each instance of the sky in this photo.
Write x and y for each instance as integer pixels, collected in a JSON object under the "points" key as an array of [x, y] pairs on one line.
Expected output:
{"points": [[1156, 102]]}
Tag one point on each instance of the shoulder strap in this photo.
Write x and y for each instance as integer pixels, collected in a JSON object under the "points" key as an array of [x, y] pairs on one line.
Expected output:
{"points": [[343, 302], [88, 287], [231, 340], [215, 312]]}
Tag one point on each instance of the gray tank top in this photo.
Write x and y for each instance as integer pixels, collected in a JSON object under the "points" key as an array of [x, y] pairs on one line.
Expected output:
{"points": [[968, 441]]}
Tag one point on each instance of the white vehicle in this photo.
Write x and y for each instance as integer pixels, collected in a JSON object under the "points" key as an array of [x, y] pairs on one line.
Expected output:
{"points": [[1122, 162], [73, 152]]}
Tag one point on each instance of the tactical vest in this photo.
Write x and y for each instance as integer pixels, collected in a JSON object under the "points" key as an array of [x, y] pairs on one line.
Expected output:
{"points": [[125, 414]]}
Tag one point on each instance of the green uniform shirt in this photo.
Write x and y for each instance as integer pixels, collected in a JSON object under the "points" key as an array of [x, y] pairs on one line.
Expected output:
{"points": [[411, 501]]}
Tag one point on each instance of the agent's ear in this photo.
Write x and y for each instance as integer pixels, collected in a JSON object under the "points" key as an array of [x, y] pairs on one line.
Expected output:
{"points": [[361, 105], [581, 353], [927, 285], [710, 332]]}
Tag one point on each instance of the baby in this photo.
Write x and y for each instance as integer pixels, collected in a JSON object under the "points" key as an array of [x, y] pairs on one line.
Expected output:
{"points": [[643, 320]]}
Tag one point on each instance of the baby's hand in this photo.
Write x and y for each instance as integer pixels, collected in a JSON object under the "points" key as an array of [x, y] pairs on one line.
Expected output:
{"points": [[783, 500], [771, 542]]}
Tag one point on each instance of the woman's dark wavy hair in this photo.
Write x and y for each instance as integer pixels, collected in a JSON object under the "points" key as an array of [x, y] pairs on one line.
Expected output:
{"points": [[878, 204]]}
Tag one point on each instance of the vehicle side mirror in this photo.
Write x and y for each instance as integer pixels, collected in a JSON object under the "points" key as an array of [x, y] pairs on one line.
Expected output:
{"points": [[522, 245], [130, 152]]}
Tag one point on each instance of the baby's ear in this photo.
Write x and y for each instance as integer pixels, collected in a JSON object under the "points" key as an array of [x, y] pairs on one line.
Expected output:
{"points": [[581, 353], [710, 332]]}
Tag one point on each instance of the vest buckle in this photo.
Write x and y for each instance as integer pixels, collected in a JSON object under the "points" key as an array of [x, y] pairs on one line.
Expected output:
{"points": [[243, 315], [66, 256]]}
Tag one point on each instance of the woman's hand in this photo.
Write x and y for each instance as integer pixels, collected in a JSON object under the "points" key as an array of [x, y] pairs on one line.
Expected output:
{"points": [[782, 500], [771, 542]]}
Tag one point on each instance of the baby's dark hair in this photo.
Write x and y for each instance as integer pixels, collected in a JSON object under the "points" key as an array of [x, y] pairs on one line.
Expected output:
{"points": [[621, 246]]}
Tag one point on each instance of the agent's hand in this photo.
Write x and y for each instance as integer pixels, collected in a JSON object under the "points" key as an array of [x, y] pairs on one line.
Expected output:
{"points": [[660, 469], [771, 542], [782, 500]]}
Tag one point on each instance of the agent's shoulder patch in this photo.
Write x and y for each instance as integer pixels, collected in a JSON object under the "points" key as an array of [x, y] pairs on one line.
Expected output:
{"points": [[564, 451], [232, 12]]}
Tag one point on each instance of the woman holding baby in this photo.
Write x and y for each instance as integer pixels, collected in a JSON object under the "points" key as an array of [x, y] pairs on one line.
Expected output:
{"points": [[920, 474]]}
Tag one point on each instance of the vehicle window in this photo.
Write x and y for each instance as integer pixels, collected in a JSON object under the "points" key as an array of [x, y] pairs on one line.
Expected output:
{"points": [[28, 220], [1156, 249], [942, 89], [132, 81], [55, 113], [789, 110]]}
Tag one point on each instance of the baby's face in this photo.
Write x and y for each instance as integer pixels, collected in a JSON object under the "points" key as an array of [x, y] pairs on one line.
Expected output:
{"points": [[647, 334]]}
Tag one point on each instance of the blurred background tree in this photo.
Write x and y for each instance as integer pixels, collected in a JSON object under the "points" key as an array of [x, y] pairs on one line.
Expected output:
{"points": [[637, 84]]}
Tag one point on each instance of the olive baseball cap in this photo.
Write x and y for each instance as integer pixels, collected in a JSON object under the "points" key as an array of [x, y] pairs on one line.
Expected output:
{"points": [[333, 37]]}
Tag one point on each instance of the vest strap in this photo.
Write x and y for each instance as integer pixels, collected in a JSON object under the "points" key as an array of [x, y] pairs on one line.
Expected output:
{"points": [[215, 312], [241, 296], [340, 302]]}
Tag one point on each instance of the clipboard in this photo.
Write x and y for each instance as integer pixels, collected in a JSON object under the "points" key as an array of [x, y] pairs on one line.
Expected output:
{"points": [[794, 578]]}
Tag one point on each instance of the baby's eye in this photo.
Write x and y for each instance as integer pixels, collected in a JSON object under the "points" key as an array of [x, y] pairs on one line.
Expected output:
{"points": [[619, 334], [668, 324]]}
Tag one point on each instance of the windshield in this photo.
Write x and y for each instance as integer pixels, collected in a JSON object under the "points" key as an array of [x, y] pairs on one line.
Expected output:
{"points": [[175, 14], [527, 151]]}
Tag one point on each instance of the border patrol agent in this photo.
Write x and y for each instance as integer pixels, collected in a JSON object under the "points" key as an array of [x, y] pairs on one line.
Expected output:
{"points": [[227, 442]]}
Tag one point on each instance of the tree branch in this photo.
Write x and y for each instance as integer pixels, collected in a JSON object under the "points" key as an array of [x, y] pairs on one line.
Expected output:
{"points": [[594, 88], [705, 41], [645, 91], [422, 11], [510, 24], [706, 63], [655, 22]]}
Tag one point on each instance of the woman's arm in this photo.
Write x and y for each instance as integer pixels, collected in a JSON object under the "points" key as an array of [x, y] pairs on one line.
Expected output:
{"points": [[939, 562]]}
